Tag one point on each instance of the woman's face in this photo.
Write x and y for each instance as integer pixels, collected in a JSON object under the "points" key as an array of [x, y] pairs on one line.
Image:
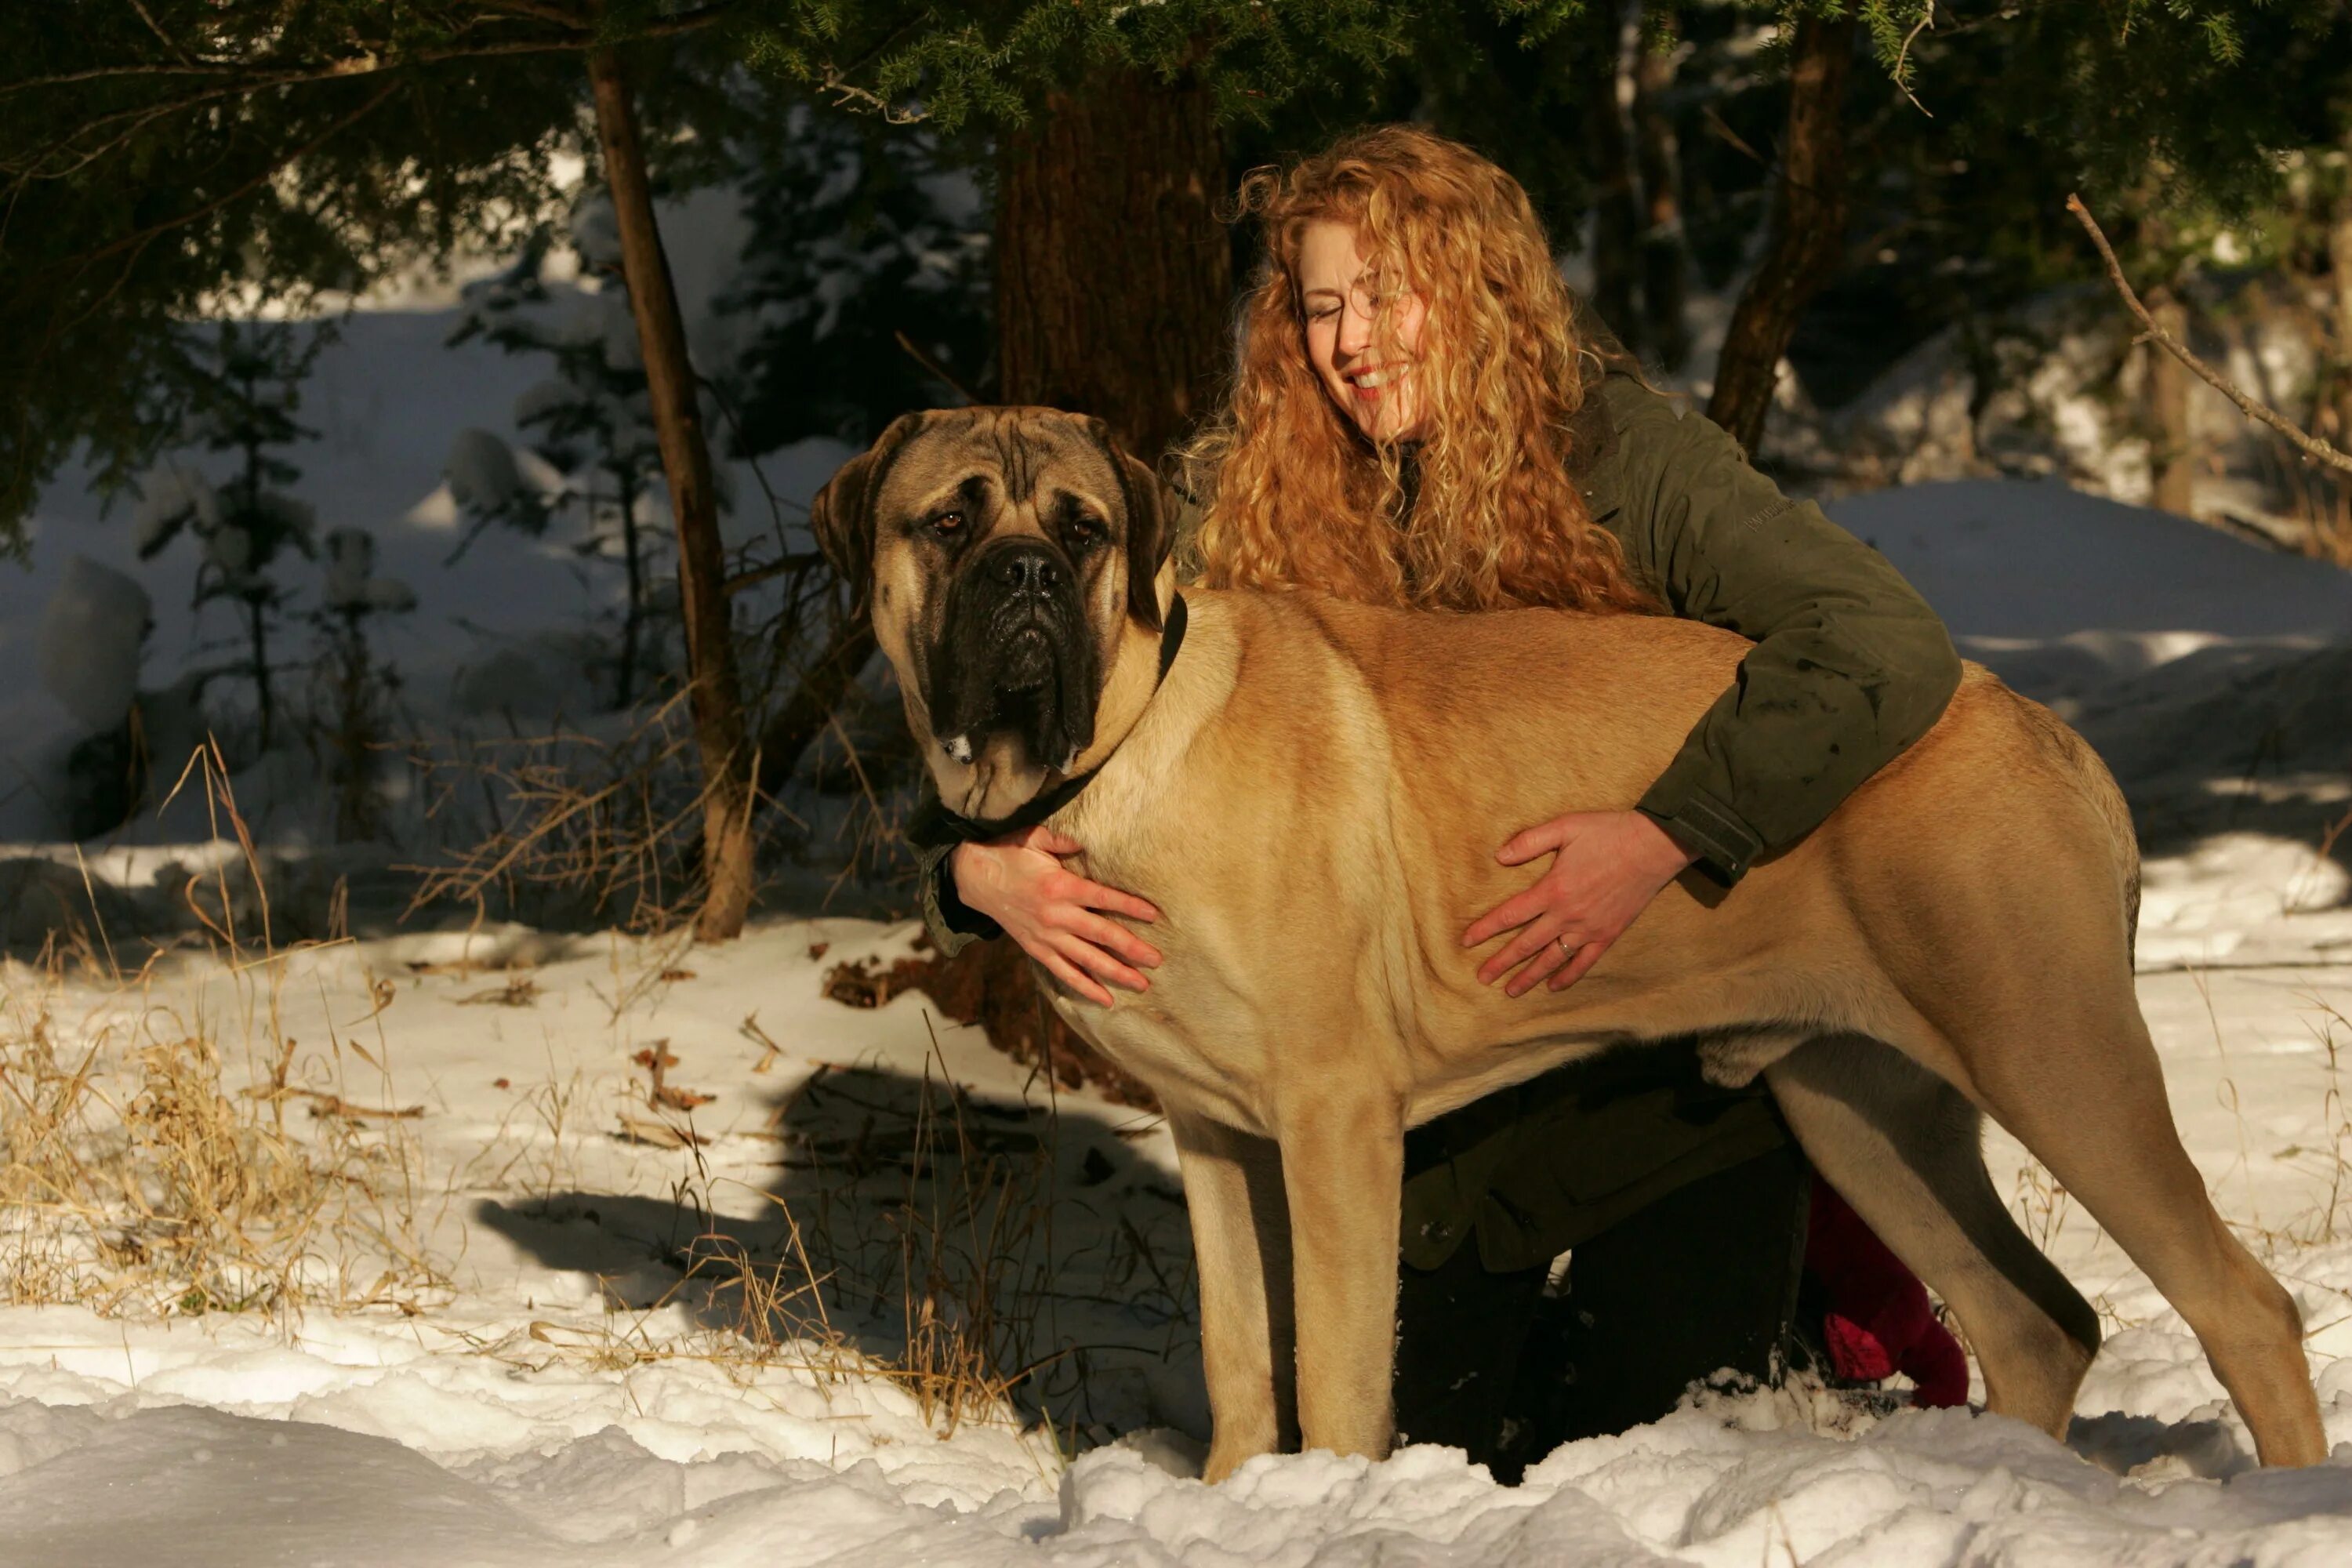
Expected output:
{"points": [[1372, 380]]}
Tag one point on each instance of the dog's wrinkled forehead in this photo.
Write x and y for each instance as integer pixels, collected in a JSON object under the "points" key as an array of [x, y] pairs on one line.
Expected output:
{"points": [[1002, 461]]}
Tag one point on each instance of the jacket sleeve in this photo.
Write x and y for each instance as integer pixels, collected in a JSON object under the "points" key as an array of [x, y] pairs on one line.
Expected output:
{"points": [[953, 924], [1850, 664]]}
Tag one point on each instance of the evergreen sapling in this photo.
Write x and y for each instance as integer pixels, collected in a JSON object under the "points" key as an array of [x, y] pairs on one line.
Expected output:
{"points": [[590, 420], [242, 389]]}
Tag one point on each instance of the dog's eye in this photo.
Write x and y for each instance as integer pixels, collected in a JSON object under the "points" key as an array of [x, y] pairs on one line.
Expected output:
{"points": [[948, 522], [1080, 532]]}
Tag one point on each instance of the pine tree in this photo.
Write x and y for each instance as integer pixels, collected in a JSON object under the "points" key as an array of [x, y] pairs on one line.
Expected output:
{"points": [[161, 151], [863, 290], [245, 387], [359, 687], [591, 417]]}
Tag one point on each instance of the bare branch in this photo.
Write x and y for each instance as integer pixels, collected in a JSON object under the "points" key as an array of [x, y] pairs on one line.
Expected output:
{"points": [[932, 368], [1902, 55], [543, 10], [845, 92], [805, 560], [1721, 129], [2312, 446], [254, 76], [158, 31]]}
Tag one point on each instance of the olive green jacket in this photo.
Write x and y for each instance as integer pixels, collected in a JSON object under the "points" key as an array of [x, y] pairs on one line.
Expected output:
{"points": [[1850, 667]]}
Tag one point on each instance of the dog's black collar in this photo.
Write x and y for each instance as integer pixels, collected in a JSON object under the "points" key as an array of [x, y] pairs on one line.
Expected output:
{"points": [[948, 826]]}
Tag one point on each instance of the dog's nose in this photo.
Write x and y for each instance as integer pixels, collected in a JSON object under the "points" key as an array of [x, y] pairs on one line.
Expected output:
{"points": [[1026, 569]]}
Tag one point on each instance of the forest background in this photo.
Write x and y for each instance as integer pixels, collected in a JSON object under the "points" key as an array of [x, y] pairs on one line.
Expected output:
{"points": [[1840, 227]]}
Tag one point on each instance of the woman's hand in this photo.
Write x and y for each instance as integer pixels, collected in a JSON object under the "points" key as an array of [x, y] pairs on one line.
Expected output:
{"points": [[1610, 865], [1019, 883]]}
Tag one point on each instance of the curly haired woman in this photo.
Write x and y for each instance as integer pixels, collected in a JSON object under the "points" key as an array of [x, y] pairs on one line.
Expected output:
{"points": [[1419, 418]]}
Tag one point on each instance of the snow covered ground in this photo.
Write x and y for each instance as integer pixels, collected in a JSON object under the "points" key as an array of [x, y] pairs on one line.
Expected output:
{"points": [[559, 1385], [566, 1392]]}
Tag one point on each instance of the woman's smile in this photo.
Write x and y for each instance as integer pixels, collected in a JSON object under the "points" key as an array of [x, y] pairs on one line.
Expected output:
{"points": [[1362, 345]]}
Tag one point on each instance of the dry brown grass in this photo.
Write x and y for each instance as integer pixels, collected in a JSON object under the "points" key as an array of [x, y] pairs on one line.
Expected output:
{"points": [[577, 825], [2333, 1153], [958, 1257], [138, 1177], [135, 1179]]}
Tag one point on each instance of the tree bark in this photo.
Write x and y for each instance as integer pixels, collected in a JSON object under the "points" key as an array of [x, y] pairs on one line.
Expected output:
{"points": [[1114, 277], [635, 618], [2171, 458], [716, 702], [2339, 261], [1665, 260], [258, 633], [1807, 239], [1616, 199]]}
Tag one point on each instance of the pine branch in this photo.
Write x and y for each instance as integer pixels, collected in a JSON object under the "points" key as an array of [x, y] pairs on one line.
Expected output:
{"points": [[255, 75], [206, 209], [75, 149], [2312, 446]]}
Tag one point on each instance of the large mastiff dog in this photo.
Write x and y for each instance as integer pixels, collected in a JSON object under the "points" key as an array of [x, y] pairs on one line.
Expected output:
{"points": [[1311, 795]]}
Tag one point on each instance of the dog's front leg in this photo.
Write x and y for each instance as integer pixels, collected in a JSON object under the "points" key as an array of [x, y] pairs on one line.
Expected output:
{"points": [[1240, 1244], [1343, 1168]]}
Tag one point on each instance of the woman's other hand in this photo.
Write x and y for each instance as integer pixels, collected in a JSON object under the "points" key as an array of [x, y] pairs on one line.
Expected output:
{"points": [[1609, 866], [1021, 884]]}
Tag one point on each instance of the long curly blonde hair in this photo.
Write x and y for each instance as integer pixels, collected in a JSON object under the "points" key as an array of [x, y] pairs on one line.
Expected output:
{"points": [[1297, 496]]}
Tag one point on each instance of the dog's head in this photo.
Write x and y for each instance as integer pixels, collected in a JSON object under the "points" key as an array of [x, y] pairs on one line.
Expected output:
{"points": [[1004, 551]]}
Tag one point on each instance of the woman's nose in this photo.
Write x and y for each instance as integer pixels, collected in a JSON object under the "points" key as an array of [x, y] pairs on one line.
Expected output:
{"points": [[1355, 334]]}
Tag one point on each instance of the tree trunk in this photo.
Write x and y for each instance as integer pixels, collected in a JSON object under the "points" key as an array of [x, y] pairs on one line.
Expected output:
{"points": [[2338, 409], [1665, 260], [717, 698], [1113, 276], [1616, 201], [1807, 239], [633, 617], [258, 633], [2171, 457], [2339, 261]]}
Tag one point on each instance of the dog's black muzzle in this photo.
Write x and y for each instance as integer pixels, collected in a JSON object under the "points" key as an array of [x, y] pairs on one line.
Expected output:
{"points": [[1014, 655]]}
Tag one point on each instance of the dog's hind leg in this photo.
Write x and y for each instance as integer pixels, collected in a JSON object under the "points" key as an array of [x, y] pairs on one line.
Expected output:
{"points": [[2076, 1078], [1905, 1149], [1241, 1248]]}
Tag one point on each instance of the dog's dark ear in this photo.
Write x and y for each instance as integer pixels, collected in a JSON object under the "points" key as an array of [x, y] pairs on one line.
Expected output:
{"points": [[1150, 524], [841, 515]]}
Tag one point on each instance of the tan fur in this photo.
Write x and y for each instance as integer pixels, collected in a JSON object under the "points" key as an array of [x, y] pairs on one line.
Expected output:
{"points": [[1312, 799]]}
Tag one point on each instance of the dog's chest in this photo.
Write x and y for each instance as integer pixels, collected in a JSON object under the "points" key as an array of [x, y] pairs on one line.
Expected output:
{"points": [[1194, 1042]]}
